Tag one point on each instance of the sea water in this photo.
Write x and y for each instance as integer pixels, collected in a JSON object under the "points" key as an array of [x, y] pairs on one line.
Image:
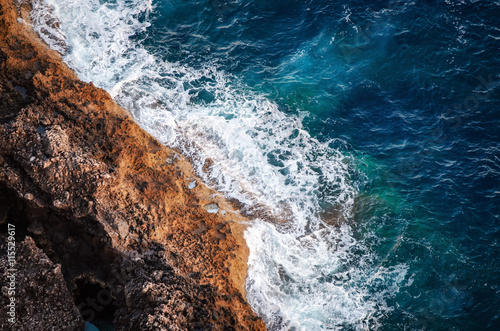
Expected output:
{"points": [[362, 139]]}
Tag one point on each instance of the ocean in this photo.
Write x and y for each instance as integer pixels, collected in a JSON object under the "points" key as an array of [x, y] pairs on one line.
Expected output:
{"points": [[361, 138]]}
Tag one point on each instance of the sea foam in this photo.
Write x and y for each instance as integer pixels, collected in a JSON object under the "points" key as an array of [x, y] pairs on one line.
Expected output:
{"points": [[303, 273]]}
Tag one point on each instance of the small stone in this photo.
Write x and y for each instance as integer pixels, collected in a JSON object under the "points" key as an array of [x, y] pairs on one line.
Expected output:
{"points": [[219, 235], [192, 185], [47, 164], [29, 196], [202, 227], [157, 275], [32, 159], [123, 229], [58, 204], [35, 228], [212, 208]]}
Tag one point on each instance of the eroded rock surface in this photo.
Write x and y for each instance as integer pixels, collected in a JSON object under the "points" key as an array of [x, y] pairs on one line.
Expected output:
{"points": [[45, 307], [97, 195]]}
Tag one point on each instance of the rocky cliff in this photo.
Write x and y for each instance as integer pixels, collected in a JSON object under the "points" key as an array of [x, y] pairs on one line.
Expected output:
{"points": [[108, 225]]}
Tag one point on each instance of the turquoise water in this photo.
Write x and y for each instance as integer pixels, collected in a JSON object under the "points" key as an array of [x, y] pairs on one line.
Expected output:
{"points": [[380, 116]]}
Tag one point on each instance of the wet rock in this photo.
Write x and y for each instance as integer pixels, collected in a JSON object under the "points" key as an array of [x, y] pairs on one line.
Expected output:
{"points": [[172, 159], [212, 208]]}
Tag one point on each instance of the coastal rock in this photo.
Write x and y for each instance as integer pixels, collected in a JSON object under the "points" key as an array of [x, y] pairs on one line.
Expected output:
{"points": [[43, 302], [212, 208], [96, 195]]}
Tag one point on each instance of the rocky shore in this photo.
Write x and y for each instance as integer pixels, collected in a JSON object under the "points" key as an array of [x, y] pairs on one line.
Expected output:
{"points": [[110, 226]]}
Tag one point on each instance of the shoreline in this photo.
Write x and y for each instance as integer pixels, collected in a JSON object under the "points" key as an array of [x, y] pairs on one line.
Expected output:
{"points": [[77, 165]]}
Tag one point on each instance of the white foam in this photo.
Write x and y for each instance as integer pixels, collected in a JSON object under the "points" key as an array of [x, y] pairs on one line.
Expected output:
{"points": [[46, 24], [301, 274], [317, 282]]}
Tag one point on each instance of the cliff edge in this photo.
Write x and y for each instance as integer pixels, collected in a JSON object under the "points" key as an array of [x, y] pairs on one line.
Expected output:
{"points": [[107, 225]]}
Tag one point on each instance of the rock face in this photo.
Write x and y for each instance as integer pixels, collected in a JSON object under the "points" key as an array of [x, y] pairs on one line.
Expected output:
{"points": [[46, 301], [121, 225]]}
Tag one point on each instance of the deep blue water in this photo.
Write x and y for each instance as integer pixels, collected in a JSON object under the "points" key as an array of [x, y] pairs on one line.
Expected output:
{"points": [[408, 91], [413, 89]]}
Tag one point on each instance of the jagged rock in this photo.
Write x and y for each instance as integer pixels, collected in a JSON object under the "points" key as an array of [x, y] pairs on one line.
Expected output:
{"points": [[42, 300]]}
